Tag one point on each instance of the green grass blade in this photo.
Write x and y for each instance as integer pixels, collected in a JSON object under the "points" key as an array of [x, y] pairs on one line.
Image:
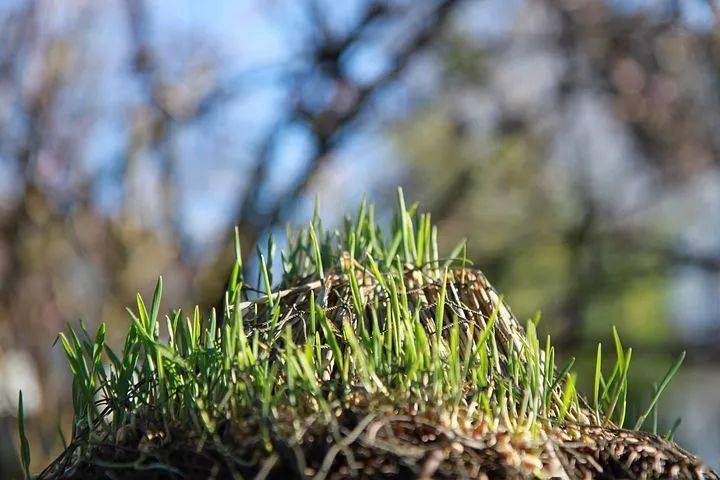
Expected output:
{"points": [[661, 388], [24, 444]]}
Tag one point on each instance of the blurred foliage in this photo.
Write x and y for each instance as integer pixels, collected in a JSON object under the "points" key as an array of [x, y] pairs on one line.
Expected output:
{"points": [[538, 221]]}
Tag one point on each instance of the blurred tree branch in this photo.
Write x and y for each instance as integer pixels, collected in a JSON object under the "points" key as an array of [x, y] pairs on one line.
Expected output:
{"points": [[326, 125]]}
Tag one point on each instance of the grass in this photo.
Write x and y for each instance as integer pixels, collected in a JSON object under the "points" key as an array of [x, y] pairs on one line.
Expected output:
{"points": [[361, 319]]}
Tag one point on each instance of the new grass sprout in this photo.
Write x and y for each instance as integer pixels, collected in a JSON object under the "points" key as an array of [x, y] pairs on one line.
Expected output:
{"points": [[363, 319]]}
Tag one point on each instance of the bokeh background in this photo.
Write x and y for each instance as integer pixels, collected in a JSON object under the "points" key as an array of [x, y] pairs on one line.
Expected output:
{"points": [[576, 144]]}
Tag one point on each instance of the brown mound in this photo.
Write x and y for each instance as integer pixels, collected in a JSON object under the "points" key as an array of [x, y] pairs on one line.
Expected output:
{"points": [[396, 446], [375, 439]]}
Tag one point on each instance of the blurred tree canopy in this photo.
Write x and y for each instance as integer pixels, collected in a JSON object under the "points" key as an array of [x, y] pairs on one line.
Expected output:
{"points": [[574, 143], [570, 146]]}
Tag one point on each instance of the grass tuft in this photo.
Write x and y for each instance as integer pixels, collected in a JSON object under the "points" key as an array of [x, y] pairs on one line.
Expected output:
{"points": [[360, 320]]}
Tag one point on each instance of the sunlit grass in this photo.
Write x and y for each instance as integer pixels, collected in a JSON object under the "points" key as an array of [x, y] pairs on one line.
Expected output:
{"points": [[360, 316]]}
